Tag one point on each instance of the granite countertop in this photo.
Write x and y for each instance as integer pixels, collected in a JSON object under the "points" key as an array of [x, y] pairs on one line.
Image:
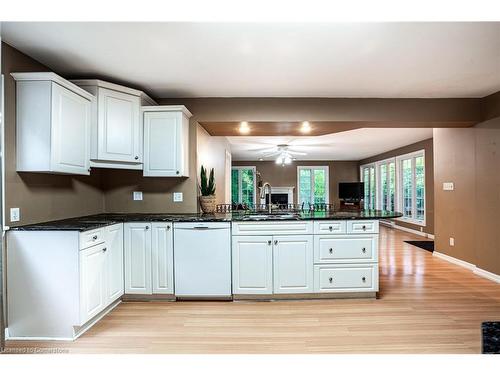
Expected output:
{"points": [[85, 223]]}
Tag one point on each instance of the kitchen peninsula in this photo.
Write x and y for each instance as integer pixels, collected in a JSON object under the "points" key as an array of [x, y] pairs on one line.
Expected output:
{"points": [[65, 275]]}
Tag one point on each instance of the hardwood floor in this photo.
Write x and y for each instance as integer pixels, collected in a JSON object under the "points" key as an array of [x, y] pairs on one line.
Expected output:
{"points": [[426, 305]]}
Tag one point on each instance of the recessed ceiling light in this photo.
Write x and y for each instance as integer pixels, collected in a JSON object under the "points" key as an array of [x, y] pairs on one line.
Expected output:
{"points": [[260, 159], [244, 129], [305, 128]]}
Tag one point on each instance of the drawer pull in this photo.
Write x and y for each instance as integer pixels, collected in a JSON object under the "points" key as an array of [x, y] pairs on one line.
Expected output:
{"points": [[168, 227], [275, 242], [147, 227], [363, 279], [330, 280], [94, 238], [330, 227], [331, 250], [269, 242], [104, 250], [364, 227], [363, 250]]}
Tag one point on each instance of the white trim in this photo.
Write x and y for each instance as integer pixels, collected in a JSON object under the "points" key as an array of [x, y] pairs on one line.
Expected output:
{"points": [[399, 187], [453, 260], [487, 274], [49, 76], [475, 269], [413, 231], [166, 108], [326, 168]]}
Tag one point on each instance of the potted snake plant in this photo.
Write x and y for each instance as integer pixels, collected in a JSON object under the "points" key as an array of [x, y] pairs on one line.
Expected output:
{"points": [[207, 191]]}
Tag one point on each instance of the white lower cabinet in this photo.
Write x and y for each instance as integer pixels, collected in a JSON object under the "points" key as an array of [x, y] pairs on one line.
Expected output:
{"points": [[293, 261], [93, 294], [252, 264], [148, 258], [162, 246], [114, 246]]}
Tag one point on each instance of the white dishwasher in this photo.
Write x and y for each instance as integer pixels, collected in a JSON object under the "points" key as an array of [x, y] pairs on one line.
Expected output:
{"points": [[202, 260]]}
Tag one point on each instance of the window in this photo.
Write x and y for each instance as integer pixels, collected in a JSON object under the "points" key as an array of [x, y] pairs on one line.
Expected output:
{"points": [[387, 185], [368, 173], [397, 184], [412, 186], [243, 185], [312, 185]]}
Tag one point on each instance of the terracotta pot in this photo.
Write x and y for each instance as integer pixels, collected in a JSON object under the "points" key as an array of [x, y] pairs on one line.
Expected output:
{"points": [[207, 204]]}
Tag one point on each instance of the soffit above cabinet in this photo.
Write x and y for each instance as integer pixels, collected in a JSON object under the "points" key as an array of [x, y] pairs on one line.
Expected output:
{"points": [[115, 87], [50, 76]]}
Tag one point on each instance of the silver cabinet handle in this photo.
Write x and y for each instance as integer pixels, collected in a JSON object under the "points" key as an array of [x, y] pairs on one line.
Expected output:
{"points": [[330, 280], [269, 242], [363, 279], [104, 250], [94, 238], [136, 158], [168, 227], [177, 172], [363, 250], [275, 242], [364, 227], [147, 227], [331, 250], [330, 227]]}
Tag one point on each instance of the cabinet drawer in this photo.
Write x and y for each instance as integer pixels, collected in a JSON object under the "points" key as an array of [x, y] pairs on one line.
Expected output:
{"points": [[329, 227], [346, 278], [362, 226], [91, 238], [345, 249], [249, 228]]}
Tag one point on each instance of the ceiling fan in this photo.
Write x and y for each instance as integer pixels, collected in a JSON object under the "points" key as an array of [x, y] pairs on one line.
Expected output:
{"points": [[284, 154]]}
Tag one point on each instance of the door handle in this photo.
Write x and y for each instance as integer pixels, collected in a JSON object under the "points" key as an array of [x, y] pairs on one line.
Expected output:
{"points": [[269, 242], [275, 242]]}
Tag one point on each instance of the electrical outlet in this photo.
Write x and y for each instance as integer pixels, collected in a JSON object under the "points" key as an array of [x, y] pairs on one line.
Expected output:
{"points": [[178, 197], [137, 195], [452, 241], [448, 186], [15, 214]]}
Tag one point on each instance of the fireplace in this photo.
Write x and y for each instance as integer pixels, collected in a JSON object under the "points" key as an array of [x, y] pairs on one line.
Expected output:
{"points": [[279, 195]]}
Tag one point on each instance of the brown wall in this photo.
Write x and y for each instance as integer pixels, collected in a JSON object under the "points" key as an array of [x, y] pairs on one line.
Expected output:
{"points": [[118, 185], [470, 158], [40, 197], [276, 175], [426, 145]]}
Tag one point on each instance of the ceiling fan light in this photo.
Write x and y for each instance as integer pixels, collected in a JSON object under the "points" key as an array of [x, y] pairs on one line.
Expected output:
{"points": [[288, 160], [279, 160]]}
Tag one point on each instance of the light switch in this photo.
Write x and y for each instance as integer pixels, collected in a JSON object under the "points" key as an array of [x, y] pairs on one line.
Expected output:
{"points": [[178, 197], [15, 214], [137, 195], [448, 186]]}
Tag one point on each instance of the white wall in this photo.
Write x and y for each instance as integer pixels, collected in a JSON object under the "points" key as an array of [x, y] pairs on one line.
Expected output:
{"points": [[211, 153]]}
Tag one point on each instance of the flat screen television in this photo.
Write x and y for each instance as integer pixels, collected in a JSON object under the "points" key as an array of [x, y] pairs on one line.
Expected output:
{"points": [[351, 191]]}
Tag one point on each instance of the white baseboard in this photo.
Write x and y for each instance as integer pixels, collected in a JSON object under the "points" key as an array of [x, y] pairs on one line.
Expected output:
{"points": [[487, 275], [472, 267], [413, 231], [453, 260]]}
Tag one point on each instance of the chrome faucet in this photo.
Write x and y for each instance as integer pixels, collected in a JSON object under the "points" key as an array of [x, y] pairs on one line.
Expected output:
{"points": [[263, 194]]}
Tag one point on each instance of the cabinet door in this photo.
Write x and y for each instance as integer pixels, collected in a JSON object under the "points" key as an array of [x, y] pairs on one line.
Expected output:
{"points": [[293, 264], [162, 262], [114, 261], [252, 265], [137, 245], [70, 133], [92, 282], [119, 132], [163, 144]]}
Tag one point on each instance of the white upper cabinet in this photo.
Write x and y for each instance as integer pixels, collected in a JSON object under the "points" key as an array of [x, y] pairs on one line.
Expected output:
{"points": [[166, 141], [116, 136], [53, 124]]}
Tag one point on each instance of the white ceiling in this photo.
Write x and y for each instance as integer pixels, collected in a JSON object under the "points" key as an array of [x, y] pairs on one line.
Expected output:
{"points": [[273, 59], [350, 145]]}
